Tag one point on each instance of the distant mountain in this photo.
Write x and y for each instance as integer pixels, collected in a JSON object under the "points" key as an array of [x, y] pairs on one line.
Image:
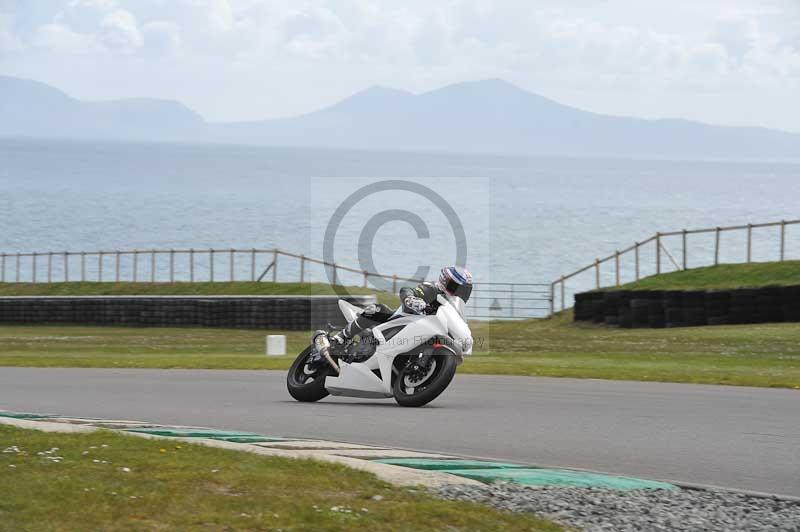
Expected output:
{"points": [[31, 108], [490, 116]]}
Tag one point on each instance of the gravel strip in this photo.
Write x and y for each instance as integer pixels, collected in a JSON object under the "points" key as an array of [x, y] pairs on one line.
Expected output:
{"points": [[596, 509]]}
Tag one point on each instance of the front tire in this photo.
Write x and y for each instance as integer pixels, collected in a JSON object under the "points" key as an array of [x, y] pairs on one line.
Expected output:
{"points": [[431, 385], [304, 383]]}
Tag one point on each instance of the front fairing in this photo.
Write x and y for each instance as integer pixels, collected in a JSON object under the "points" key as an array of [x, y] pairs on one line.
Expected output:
{"points": [[452, 314]]}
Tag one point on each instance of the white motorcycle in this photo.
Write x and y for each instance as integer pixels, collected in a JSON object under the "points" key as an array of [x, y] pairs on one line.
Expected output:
{"points": [[411, 357]]}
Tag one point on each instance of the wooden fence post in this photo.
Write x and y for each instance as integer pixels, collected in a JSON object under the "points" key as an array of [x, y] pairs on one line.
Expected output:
{"points": [[302, 269], [783, 239], [749, 243], [597, 273], [658, 253], [685, 253]]}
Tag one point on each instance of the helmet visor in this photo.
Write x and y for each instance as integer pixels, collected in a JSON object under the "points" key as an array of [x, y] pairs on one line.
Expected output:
{"points": [[454, 288]]}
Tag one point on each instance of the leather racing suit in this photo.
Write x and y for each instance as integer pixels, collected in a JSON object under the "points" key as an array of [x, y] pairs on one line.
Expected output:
{"points": [[418, 300]]}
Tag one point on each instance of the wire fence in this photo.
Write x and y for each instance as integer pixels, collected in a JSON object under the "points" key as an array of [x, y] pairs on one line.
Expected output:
{"points": [[489, 300], [696, 248], [180, 265]]}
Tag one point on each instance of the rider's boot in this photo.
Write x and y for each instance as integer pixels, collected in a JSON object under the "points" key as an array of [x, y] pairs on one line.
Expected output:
{"points": [[364, 321]]}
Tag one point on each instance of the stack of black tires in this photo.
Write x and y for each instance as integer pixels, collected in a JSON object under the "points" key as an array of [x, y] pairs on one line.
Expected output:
{"points": [[688, 308], [255, 312]]}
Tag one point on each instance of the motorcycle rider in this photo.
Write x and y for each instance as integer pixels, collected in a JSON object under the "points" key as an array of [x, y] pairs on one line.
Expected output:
{"points": [[453, 280]]}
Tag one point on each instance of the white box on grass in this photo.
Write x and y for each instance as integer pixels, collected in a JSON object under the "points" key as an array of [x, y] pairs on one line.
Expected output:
{"points": [[276, 345]]}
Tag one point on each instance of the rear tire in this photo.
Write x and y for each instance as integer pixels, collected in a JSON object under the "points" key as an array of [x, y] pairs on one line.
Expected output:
{"points": [[298, 383], [430, 389]]}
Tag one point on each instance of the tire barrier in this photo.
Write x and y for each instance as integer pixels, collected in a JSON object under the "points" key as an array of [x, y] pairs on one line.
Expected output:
{"points": [[689, 308], [239, 312]]}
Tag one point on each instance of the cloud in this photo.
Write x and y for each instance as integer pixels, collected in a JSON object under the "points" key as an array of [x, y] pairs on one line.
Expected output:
{"points": [[161, 38], [314, 33], [9, 42], [220, 16], [576, 43], [683, 46], [119, 31], [93, 4], [738, 35], [61, 39]]}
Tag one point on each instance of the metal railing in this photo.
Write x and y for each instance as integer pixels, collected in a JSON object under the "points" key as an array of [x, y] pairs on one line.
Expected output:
{"points": [[662, 255], [488, 301], [509, 301], [174, 265]]}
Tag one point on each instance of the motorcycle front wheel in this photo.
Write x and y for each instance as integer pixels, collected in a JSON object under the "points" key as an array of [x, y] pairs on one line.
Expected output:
{"points": [[414, 389], [306, 383]]}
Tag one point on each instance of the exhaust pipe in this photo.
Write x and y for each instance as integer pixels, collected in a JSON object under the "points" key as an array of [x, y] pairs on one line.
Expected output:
{"points": [[323, 345]]}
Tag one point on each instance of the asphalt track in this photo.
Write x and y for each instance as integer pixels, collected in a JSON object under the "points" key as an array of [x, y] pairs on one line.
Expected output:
{"points": [[745, 438]]}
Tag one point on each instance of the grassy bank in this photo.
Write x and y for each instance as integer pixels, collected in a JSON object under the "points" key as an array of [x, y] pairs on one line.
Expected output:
{"points": [[724, 276], [107, 481], [748, 355]]}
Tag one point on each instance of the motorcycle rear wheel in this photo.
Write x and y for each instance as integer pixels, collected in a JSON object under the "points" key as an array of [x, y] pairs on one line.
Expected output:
{"points": [[429, 388], [298, 383]]}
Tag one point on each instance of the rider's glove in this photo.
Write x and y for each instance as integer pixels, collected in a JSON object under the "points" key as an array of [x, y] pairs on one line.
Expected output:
{"points": [[415, 304]]}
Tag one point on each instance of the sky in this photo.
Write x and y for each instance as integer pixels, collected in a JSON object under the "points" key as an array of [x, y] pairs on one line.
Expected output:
{"points": [[717, 61]]}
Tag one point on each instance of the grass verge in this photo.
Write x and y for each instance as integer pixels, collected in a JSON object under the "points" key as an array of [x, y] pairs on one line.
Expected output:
{"points": [[748, 355], [108, 481], [766, 355]]}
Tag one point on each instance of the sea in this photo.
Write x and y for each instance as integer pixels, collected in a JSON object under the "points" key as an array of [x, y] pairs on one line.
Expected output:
{"points": [[509, 219]]}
